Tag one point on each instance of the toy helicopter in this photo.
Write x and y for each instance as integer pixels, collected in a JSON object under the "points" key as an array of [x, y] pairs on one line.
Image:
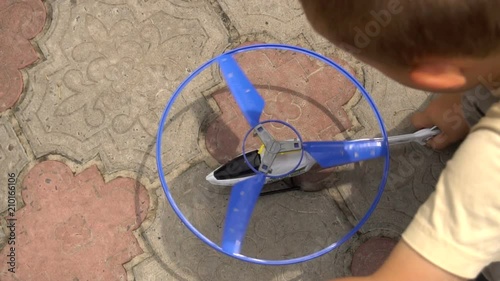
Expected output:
{"points": [[237, 170], [276, 159], [249, 172]]}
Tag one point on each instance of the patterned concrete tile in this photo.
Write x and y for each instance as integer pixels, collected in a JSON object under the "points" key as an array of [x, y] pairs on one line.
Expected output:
{"points": [[74, 227], [283, 226], [12, 159], [20, 21], [150, 270], [282, 20], [110, 68]]}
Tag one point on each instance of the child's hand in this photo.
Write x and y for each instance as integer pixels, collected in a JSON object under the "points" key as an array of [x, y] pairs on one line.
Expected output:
{"points": [[446, 113]]}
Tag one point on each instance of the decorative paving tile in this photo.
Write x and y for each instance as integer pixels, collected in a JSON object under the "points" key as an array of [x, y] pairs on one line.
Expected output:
{"points": [[20, 21], [282, 20], [111, 67], [74, 227], [12, 159]]}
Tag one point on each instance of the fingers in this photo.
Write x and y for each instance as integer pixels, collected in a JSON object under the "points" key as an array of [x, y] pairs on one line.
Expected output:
{"points": [[440, 141], [422, 120]]}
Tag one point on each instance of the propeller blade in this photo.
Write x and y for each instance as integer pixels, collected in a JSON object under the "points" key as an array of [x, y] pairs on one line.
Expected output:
{"points": [[245, 94], [336, 153], [243, 198]]}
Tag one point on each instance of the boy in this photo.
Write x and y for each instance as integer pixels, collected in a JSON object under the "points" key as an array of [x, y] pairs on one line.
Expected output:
{"points": [[451, 47]]}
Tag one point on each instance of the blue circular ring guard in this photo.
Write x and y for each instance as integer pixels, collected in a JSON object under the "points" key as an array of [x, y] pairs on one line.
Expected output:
{"points": [[163, 122]]}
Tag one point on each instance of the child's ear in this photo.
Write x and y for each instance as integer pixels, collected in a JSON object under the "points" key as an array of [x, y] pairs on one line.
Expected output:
{"points": [[438, 76]]}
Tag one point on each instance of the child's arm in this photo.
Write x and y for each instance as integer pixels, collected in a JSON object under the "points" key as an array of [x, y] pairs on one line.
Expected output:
{"points": [[404, 264]]}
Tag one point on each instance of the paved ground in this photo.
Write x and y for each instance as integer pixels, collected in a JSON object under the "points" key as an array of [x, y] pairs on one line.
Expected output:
{"points": [[82, 87]]}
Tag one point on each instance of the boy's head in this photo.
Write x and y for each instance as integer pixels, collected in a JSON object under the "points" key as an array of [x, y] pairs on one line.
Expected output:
{"points": [[436, 45]]}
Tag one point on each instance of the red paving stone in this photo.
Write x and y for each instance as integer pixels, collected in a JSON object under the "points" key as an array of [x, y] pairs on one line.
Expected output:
{"points": [[75, 227], [371, 255], [20, 21]]}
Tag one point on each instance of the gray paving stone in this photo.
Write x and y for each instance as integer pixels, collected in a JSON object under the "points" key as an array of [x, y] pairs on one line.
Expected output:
{"points": [[287, 225], [150, 270], [12, 160], [3, 237], [282, 20], [109, 69]]}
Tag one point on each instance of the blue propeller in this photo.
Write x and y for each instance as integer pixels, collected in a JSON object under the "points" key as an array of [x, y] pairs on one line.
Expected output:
{"points": [[245, 94], [244, 194], [337, 153], [243, 198]]}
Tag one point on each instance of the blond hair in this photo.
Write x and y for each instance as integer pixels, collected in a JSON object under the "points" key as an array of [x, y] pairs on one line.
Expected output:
{"points": [[401, 31]]}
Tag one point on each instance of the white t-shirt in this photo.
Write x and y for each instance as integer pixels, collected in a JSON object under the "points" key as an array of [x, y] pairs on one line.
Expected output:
{"points": [[458, 227]]}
